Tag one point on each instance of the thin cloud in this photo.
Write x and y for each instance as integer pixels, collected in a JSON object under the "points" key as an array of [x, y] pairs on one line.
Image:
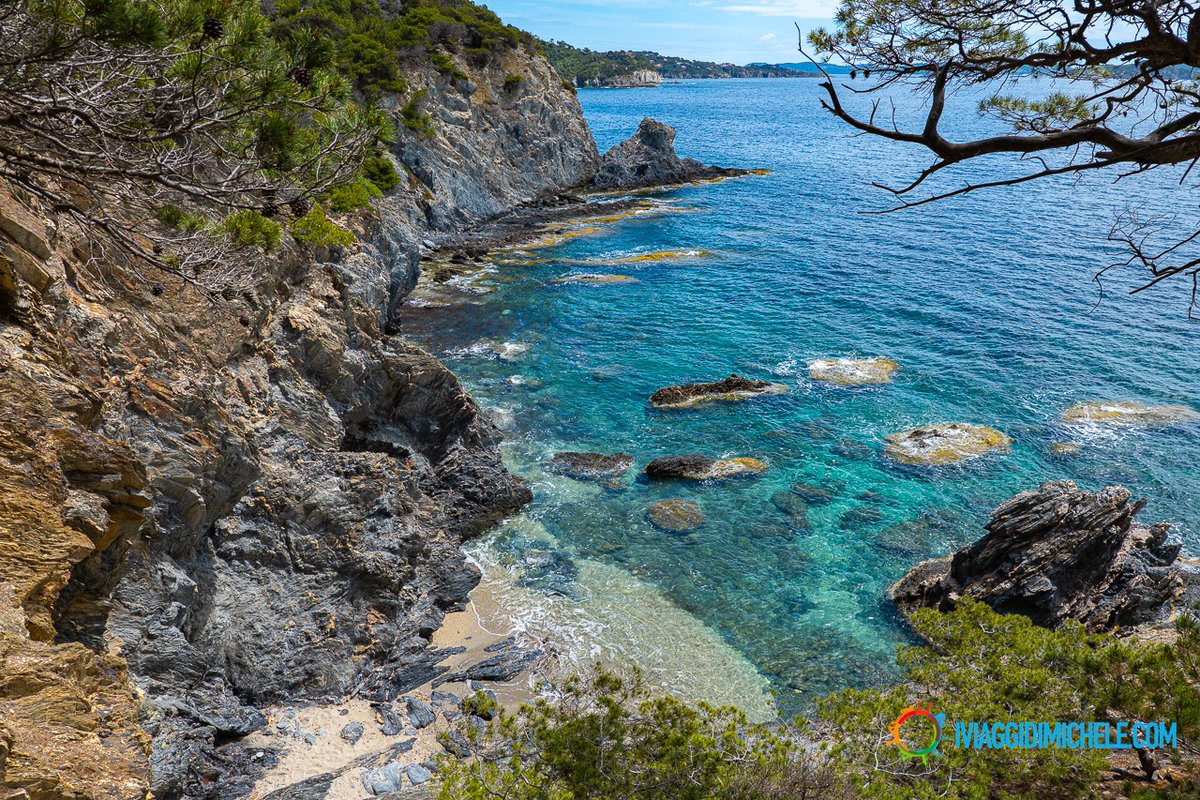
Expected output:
{"points": [[802, 9]]}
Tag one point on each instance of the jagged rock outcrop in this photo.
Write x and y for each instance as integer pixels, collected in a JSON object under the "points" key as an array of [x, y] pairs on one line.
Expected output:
{"points": [[251, 498], [648, 158], [1056, 553]]}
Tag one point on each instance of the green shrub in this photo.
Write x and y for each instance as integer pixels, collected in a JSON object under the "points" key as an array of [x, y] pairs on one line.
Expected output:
{"points": [[606, 737], [446, 65], [316, 229], [511, 82], [355, 194], [250, 228], [183, 221], [568, 85], [380, 171], [414, 118]]}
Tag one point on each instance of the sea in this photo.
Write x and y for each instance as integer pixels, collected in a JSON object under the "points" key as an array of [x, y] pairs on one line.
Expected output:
{"points": [[989, 303]]}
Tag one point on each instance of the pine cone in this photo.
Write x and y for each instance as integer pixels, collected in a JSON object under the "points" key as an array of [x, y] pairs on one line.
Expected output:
{"points": [[270, 210], [299, 206], [213, 28], [302, 76]]}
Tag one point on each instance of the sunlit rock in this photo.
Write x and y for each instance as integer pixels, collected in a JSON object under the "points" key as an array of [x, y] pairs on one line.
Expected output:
{"points": [[852, 371], [944, 443]]}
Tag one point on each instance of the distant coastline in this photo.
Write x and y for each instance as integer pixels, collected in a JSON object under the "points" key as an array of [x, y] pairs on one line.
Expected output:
{"points": [[620, 69]]}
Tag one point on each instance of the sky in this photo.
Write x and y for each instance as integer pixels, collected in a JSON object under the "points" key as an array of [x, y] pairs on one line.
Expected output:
{"points": [[737, 31]]}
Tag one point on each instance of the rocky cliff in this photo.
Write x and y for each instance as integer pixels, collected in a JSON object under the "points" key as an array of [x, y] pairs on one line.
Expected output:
{"points": [[207, 504]]}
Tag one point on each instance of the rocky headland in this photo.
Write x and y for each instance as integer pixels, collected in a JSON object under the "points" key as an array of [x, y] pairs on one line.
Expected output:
{"points": [[648, 158], [1058, 553]]}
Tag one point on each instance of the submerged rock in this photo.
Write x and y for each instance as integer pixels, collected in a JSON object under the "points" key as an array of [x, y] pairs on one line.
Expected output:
{"points": [[944, 443], [793, 505], [852, 371], [735, 387], [1056, 553], [702, 468], [816, 494], [595, 278], [1129, 413], [607, 468], [648, 158], [1065, 448], [676, 514]]}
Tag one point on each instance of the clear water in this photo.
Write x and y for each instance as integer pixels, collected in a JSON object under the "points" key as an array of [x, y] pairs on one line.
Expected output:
{"points": [[986, 301]]}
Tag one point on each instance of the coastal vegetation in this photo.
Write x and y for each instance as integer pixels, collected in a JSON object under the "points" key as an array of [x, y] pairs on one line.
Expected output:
{"points": [[603, 736], [1127, 103], [585, 67]]}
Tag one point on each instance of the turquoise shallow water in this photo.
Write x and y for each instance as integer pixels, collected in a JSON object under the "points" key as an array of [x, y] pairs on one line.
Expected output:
{"points": [[985, 301]]}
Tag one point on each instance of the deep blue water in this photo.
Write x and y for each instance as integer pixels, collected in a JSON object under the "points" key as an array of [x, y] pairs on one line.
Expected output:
{"points": [[986, 301]]}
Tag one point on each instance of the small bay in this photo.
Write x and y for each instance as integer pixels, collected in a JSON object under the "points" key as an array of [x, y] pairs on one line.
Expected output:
{"points": [[986, 303]]}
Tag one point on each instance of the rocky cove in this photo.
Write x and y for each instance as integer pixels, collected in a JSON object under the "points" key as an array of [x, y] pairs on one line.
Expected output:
{"points": [[212, 509]]}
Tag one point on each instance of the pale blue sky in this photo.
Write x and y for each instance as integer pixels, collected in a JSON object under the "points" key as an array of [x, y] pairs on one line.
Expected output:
{"points": [[711, 30]]}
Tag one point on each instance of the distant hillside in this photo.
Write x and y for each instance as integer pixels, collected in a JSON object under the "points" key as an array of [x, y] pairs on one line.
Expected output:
{"points": [[584, 67], [808, 66]]}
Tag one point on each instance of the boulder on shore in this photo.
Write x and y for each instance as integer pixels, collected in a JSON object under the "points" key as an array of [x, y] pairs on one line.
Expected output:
{"points": [[702, 468], [944, 443], [735, 387], [648, 158], [1056, 553]]}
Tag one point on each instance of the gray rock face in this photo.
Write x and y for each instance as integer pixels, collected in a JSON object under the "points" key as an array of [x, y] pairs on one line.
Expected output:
{"points": [[277, 511], [648, 158], [1056, 553]]}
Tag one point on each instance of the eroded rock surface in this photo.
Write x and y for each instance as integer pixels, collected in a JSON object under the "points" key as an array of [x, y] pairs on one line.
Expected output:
{"points": [[735, 387], [702, 468], [1056, 553], [944, 443], [1129, 413], [252, 498], [676, 514], [648, 158]]}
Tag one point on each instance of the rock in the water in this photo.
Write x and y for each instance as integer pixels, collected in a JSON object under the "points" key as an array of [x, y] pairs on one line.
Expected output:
{"points": [[793, 505], [352, 732], [1056, 553], [595, 278], [852, 371], [945, 443], [648, 158], [605, 468], [1129, 413], [735, 387], [702, 468], [676, 514], [815, 494], [1065, 448], [860, 516]]}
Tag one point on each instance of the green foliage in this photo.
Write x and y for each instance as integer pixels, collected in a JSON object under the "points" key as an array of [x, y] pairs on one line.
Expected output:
{"points": [[250, 228], [353, 195], [316, 229], [481, 704], [983, 666], [580, 66], [371, 43], [180, 220], [511, 82], [380, 171], [413, 118], [446, 65], [605, 737]]}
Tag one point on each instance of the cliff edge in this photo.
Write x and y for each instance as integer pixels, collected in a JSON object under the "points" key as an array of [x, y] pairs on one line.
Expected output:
{"points": [[209, 504]]}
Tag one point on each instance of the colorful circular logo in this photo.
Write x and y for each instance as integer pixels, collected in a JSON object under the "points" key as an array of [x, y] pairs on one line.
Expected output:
{"points": [[922, 745]]}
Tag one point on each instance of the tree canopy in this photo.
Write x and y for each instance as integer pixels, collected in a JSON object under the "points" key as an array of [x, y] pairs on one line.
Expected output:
{"points": [[173, 130], [1125, 98]]}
